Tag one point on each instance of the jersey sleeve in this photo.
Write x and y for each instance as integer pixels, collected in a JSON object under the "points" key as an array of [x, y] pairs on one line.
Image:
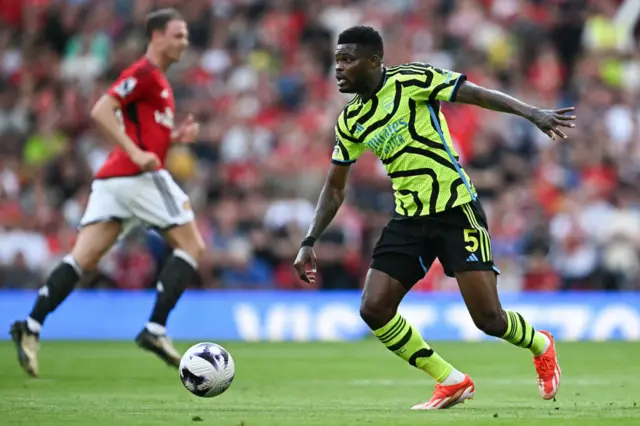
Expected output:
{"points": [[347, 149], [437, 84], [130, 87]]}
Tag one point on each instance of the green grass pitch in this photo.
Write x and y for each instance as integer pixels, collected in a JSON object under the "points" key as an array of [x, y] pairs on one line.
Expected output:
{"points": [[331, 384]]}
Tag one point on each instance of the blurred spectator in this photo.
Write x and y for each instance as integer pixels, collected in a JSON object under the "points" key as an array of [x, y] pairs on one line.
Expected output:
{"points": [[258, 76], [16, 274]]}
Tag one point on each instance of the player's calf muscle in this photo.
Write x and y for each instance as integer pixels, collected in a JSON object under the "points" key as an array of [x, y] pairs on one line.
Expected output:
{"points": [[180, 271], [491, 322], [479, 291]]}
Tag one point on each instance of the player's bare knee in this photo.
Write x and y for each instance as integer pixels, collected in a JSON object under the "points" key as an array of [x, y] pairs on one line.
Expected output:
{"points": [[198, 247], [380, 299], [87, 256], [492, 323], [375, 312], [187, 239], [87, 260], [194, 248], [93, 242]]}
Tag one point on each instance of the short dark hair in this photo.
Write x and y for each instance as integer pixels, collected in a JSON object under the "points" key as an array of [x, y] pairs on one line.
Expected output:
{"points": [[158, 20], [363, 36]]}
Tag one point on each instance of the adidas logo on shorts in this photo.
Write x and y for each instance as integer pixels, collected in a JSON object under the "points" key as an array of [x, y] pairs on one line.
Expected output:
{"points": [[472, 258]]}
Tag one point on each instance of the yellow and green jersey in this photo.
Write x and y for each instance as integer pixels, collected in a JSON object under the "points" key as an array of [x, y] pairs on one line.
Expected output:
{"points": [[403, 126]]}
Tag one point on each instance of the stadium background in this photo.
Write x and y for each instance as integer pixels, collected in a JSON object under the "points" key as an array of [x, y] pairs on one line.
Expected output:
{"points": [[564, 216]]}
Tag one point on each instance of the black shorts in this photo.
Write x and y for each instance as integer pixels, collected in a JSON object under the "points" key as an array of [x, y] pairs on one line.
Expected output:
{"points": [[458, 237]]}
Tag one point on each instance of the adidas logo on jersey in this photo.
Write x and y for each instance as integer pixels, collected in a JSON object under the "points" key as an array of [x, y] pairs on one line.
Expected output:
{"points": [[472, 258]]}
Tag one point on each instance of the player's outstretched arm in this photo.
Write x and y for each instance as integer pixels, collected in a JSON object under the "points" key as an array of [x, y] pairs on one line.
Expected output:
{"points": [[549, 121], [331, 198], [104, 114]]}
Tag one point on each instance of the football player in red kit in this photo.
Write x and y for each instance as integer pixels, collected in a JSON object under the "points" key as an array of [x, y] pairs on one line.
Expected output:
{"points": [[132, 188]]}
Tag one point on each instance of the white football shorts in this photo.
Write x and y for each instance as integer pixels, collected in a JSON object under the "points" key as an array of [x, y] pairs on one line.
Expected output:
{"points": [[152, 199]]}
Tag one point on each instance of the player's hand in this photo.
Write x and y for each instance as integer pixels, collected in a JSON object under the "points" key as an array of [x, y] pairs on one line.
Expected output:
{"points": [[147, 161], [305, 265], [549, 121], [187, 131]]}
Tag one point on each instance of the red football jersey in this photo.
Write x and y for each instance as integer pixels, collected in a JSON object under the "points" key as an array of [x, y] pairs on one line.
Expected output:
{"points": [[146, 111]]}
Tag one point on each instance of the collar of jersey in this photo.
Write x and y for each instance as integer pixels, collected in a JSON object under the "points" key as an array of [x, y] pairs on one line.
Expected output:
{"points": [[149, 61], [383, 81]]}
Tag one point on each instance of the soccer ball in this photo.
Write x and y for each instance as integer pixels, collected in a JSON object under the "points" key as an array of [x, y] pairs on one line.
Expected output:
{"points": [[207, 370]]}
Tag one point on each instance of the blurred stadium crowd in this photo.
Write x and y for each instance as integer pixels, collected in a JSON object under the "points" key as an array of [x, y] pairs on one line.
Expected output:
{"points": [[259, 77]]}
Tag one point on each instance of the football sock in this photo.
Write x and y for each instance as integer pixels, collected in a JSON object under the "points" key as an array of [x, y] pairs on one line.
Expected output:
{"points": [[33, 325], [56, 289], [453, 378], [178, 272], [157, 329], [405, 341], [521, 333]]}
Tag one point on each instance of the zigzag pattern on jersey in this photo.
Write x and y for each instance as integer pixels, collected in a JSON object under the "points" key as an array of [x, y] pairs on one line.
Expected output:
{"points": [[408, 80]]}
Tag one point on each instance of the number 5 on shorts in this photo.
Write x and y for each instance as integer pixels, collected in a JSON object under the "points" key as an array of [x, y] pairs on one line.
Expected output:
{"points": [[471, 238]]}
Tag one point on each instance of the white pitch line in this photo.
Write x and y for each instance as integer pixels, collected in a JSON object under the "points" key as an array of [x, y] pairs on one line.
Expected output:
{"points": [[427, 382]]}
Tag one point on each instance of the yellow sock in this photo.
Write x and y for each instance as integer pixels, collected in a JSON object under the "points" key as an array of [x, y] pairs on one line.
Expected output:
{"points": [[522, 334], [405, 341]]}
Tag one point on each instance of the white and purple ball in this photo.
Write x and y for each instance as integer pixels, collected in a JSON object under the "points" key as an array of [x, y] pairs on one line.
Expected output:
{"points": [[207, 370]]}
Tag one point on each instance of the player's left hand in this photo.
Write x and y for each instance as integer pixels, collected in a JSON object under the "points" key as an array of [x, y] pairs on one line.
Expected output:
{"points": [[187, 131], [549, 121]]}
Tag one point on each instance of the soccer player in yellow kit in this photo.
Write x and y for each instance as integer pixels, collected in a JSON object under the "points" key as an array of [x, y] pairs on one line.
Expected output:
{"points": [[396, 114]]}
